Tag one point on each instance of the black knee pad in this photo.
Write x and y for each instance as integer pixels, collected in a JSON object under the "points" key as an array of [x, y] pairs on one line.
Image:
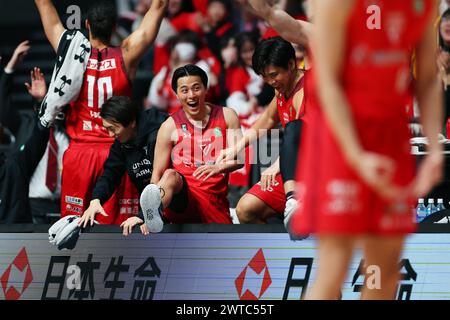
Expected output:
{"points": [[289, 149]]}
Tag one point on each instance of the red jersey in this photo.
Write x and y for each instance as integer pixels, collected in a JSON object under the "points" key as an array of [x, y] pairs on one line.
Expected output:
{"points": [[196, 147], [236, 79], [285, 106], [377, 61], [375, 78], [104, 77]]}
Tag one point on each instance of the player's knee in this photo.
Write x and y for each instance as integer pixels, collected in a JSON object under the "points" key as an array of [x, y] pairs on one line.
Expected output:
{"points": [[169, 178], [245, 210]]}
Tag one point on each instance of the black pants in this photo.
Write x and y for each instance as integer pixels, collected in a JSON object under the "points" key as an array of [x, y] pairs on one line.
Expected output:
{"points": [[45, 211]]}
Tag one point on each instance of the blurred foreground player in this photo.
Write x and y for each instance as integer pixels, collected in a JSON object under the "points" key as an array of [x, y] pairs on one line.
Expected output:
{"points": [[109, 73], [356, 173], [186, 183]]}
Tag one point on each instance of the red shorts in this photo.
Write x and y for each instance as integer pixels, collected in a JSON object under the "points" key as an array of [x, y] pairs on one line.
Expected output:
{"points": [[198, 206], [274, 196], [448, 128], [83, 165], [334, 200]]}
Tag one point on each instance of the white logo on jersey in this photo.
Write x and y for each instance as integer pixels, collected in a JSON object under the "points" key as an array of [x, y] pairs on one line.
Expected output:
{"points": [[343, 196], [395, 23], [206, 149], [95, 114], [104, 65], [87, 125]]}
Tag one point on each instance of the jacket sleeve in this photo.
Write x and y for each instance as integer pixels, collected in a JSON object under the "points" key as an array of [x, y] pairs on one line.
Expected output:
{"points": [[114, 169], [30, 154], [9, 116]]}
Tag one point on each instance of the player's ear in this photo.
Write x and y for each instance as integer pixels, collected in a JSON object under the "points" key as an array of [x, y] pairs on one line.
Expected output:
{"points": [[87, 25], [292, 65]]}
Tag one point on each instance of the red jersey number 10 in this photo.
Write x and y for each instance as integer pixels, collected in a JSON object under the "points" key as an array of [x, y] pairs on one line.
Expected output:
{"points": [[104, 90]]}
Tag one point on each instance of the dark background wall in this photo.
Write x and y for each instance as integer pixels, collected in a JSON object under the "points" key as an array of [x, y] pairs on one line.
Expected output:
{"points": [[24, 12]]}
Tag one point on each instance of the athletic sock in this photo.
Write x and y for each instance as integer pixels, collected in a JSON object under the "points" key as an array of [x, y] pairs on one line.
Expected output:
{"points": [[290, 195]]}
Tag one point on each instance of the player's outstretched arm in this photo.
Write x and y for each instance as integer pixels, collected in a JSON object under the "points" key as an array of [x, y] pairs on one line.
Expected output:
{"points": [[234, 134], [429, 95], [290, 29], [53, 26], [163, 149], [137, 43], [268, 120]]}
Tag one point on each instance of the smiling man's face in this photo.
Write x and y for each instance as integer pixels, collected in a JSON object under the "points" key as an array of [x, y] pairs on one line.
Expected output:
{"points": [[191, 92]]}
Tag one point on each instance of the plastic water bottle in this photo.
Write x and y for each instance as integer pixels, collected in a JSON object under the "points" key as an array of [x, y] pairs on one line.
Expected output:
{"points": [[431, 208], [440, 205], [421, 210]]}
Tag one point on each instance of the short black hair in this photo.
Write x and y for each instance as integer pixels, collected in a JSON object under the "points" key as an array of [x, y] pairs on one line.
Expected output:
{"points": [[186, 71], [120, 109], [102, 17], [275, 52]]}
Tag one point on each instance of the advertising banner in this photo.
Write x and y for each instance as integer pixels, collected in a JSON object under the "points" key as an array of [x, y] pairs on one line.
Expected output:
{"points": [[200, 266]]}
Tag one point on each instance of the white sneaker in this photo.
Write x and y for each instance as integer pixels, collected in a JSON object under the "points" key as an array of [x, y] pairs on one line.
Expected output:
{"points": [[291, 206], [151, 205]]}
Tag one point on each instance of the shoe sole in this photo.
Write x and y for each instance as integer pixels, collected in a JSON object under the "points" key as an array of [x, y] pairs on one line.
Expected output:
{"points": [[150, 201]]}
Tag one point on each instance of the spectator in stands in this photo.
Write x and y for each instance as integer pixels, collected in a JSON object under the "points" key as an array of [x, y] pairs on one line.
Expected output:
{"points": [[45, 183], [217, 25], [180, 15], [186, 48], [243, 84], [17, 167], [11, 120], [444, 5], [443, 63]]}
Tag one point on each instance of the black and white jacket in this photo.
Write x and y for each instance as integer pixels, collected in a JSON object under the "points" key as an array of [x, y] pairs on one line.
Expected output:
{"points": [[135, 157]]}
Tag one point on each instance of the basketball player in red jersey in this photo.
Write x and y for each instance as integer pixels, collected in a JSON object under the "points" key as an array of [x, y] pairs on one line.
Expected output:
{"points": [[357, 174], [109, 72], [274, 59], [186, 183], [337, 255]]}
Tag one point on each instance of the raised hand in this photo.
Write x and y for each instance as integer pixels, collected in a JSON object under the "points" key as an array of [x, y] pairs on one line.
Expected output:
{"points": [[19, 53], [37, 89]]}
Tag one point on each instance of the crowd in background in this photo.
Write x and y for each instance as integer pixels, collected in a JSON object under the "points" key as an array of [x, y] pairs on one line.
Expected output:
{"points": [[220, 37]]}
